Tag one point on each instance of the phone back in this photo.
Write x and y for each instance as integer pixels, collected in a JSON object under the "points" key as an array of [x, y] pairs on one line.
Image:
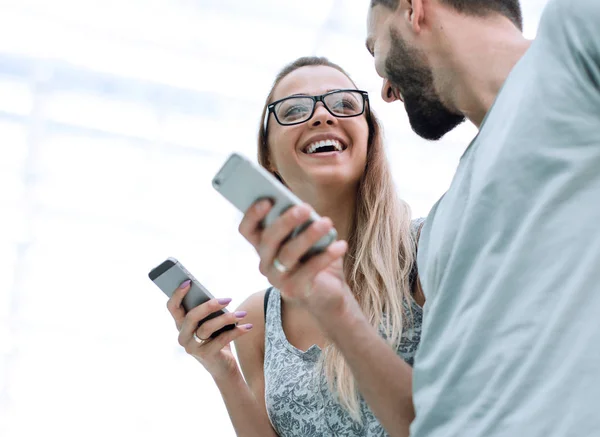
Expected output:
{"points": [[170, 274], [173, 277], [243, 183]]}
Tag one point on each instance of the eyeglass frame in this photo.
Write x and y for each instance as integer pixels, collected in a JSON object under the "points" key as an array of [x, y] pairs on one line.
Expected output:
{"points": [[316, 99]]}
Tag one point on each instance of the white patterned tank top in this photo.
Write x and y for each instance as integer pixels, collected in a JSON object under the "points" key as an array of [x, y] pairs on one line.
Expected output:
{"points": [[298, 400]]}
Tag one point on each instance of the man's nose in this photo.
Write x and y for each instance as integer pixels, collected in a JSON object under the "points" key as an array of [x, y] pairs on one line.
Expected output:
{"points": [[387, 92]]}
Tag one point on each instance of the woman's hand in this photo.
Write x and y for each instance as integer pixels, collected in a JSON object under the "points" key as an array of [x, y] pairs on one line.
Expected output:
{"points": [[213, 353], [318, 284]]}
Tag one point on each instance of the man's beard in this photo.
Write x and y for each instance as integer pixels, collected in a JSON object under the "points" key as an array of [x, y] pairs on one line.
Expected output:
{"points": [[428, 116]]}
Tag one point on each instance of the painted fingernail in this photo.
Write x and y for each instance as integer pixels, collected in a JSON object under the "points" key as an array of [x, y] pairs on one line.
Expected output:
{"points": [[185, 283], [224, 301], [248, 327], [240, 314]]}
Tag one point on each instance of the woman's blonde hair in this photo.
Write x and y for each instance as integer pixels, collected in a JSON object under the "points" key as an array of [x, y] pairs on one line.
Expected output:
{"points": [[380, 254]]}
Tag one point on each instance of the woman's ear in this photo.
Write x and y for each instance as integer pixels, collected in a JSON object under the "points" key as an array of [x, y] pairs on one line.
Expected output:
{"points": [[273, 170]]}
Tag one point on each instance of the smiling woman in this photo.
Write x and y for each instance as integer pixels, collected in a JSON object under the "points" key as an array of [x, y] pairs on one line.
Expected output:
{"points": [[320, 138], [310, 105], [332, 157]]}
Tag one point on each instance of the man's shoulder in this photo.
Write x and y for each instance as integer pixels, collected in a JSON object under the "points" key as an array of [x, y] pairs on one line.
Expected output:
{"points": [[569, 33], [576, 15]]}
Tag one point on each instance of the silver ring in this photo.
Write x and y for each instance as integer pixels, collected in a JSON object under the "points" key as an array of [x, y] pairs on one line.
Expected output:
{"points": [[199, 340], [279, 266]]}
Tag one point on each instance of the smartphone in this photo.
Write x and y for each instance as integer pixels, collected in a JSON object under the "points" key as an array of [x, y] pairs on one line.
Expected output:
{"points": [[170, 274], [243, 182]]}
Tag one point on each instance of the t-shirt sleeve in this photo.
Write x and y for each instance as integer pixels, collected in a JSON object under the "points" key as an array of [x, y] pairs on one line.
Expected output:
{"points": [[574, 27]]}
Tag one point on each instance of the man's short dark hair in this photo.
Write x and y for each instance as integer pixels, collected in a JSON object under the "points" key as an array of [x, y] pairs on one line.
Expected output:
{"points": [[390, 4], [511, 9]]}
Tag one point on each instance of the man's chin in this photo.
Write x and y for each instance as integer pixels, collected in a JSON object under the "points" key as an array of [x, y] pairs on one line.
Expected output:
{"points": [[430, 133], [434, 125]]}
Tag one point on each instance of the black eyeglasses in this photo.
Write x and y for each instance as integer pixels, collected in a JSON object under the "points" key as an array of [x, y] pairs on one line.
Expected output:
{"points": [[299, 109]]}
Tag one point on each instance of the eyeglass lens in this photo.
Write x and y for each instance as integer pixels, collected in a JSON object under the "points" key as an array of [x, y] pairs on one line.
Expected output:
{"points": [[298, 109]]}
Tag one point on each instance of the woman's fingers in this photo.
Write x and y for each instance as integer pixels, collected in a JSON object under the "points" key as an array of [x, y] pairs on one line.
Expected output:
{"points": [[304, 276], [206, 329], [250, 225], [291, 252], [214, 345], [174, 304], [274, 236], [195, 315], [280, 258]]}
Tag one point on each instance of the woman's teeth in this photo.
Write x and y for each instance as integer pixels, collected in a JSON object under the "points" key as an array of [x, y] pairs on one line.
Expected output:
{"points": [[330, 145]]}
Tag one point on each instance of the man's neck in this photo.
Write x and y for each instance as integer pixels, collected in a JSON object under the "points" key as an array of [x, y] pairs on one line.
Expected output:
{"points": [[474, 59]]}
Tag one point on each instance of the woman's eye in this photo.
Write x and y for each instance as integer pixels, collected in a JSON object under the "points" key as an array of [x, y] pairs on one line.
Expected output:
{"points": [[345, 104], [295, 111]]}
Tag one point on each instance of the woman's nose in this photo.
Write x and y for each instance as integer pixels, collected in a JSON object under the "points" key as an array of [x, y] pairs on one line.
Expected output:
{"points": [[322, 115]]}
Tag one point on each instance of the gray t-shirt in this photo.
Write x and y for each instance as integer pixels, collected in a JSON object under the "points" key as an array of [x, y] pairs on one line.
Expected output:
{"points": [[509, 258]]}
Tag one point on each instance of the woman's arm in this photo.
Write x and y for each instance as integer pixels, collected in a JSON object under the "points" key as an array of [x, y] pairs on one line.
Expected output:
{"points": [[246, 411], [384, 379], [245, 400]]}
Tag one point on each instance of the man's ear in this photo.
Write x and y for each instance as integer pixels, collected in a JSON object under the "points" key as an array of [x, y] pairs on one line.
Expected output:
{"points": [[415, 14]]}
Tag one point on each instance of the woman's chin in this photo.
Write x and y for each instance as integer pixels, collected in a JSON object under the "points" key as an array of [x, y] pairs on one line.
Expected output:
{"points": [[332, 176]]}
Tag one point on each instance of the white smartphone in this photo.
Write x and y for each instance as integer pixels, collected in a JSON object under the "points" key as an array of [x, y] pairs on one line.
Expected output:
{"points": [[243, 182], [170, 274]]}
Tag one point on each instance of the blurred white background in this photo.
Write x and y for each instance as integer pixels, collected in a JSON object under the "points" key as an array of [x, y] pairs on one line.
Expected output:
{"points": [[114, 116]]}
